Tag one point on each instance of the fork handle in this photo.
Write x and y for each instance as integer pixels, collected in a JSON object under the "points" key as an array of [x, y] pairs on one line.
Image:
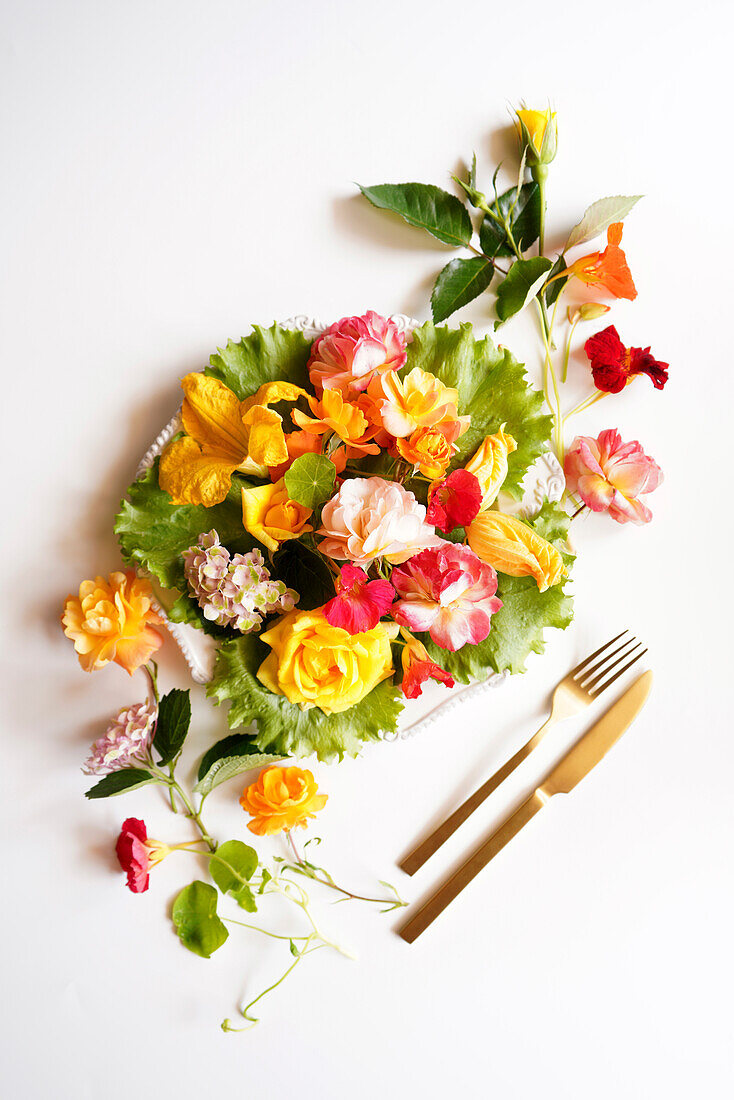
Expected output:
{"points": [[418, 856]]}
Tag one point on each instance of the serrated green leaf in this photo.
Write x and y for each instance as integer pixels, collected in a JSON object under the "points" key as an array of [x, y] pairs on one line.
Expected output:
{"points": [[425, 206], [231, 867], [195, 919], [459, 283], [172, 725], [306, 572], [599, 216], [310, 480], [283, 728], [492, 386], [266, 355], [520, 285], [227, 758], [523, 213], [557, 285], [120, 782]]}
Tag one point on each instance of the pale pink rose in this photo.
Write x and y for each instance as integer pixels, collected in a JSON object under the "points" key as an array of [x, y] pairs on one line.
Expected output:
{"points": [[372, 518], [353, 351], [449, 592], [610, 475]]}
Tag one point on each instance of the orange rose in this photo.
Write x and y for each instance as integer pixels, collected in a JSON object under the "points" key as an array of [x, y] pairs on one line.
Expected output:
{"points": [[427, 448], [281, 798], [112, 620]]}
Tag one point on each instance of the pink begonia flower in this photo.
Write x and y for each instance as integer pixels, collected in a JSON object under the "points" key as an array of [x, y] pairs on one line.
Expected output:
{"points": [[353, 351], [137, 854], [359, 603], [610, 475], [449, 592], [372, 518]]}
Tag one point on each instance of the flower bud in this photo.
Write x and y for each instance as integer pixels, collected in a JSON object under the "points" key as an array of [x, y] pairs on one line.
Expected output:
{"points": [[591, 311], [538, 133]]}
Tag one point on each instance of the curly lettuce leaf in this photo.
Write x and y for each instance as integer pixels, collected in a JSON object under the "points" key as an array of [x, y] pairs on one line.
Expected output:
{"points": [[283, 729], [266, 355]]}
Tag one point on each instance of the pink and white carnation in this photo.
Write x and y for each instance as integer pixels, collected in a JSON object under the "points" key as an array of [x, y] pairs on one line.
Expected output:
{"points": [[610, 476], [126, 743], [448, 591], [371, 518], [354, 350]]}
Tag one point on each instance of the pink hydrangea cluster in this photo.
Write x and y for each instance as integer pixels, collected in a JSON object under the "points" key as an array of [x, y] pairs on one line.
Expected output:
{"points": [[234, 590], [125, 743]]}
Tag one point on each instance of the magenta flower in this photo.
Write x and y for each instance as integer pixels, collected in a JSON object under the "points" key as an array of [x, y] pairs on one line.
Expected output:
{"points": [[353, 351], [359, 604], [610, 476], [448, 591], [137, 854]]}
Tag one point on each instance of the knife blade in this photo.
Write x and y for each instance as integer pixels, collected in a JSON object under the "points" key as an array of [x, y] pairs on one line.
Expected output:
{"points": [[567, 773]]}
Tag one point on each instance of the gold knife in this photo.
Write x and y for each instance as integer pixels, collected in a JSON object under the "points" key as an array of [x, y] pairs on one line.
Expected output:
{"points": [[578, 762]]}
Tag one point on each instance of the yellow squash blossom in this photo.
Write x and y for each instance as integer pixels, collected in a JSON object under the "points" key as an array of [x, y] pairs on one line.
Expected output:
{"points": [[271, 516], [281, 798], [511, 546], [223, 434], [113, 620], [314, 664], [489, 464]]}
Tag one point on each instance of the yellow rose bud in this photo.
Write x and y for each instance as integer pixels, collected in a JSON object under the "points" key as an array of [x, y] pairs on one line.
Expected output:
{"points": [[538, 135], [489, 464], [315, 664], [271, 516], [512, 547]]}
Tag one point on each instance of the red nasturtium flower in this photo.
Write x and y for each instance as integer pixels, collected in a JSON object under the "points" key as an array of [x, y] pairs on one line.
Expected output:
{"points": [[359, 603], [137, 854], [418, 667], [608, 269], [454, 502], [614, 366]]}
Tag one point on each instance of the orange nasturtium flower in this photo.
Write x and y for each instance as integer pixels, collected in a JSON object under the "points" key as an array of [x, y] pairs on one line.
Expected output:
{"points": [[281, 798], [223, 434], [607, 269], [113, 620], [332, 413]]}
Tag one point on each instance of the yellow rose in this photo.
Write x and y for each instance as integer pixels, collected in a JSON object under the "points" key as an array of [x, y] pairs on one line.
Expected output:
{"points": [[315, 664], [511, 546], [539, 134], [280, 799], [271, 516], [489, 464]]}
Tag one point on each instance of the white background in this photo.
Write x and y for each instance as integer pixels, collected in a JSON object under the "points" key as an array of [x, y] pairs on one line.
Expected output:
{"points": [[174, 172]]}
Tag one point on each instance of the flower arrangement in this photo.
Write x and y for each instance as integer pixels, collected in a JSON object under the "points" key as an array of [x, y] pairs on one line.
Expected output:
{"points": [[337, 514]]}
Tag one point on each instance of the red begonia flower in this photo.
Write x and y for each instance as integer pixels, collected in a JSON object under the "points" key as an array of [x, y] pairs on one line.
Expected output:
{"points": [[613, 365], [454, 502], [359, 603]]}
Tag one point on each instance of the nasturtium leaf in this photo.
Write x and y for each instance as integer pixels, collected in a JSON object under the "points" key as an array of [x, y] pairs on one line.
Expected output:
{"points": [[557, 285], [520, 286], [522, 211], [154, 533], [282, 728], [310, 480], [304, 571], [492, 388], [232, 866], [459, 283], [126, 779], [266, 355], [227, 758], [599, 216], [425, 206], [172, 725], [195, 919]]}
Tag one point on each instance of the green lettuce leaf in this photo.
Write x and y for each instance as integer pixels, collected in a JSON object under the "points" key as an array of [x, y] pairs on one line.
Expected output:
{"points": [[492, 388], [268, 355], [283, 728]]}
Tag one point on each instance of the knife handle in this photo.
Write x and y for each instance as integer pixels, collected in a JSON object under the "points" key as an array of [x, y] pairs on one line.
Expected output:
{"points": [[479, 859]]}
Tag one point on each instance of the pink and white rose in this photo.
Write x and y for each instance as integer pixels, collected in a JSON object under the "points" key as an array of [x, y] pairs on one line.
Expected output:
{"points": [[372, 518], [610, 476], [354, 350], [448, 591]]}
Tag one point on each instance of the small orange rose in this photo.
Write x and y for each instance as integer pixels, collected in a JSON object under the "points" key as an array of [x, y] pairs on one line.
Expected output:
{"points": [[427, 448], [112, 620], [280, 799]]}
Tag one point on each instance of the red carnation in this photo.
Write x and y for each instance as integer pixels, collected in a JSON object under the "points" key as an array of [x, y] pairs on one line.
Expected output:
{"points": [[359, 603], [133, 854], [454, 502], [613, 365]]}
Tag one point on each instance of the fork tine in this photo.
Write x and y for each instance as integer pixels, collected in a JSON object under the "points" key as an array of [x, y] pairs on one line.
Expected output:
{"points": [[607, 683], [583, 679], [595, 654]]}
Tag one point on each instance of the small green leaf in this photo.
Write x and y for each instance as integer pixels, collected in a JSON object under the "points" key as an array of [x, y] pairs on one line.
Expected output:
{"points": [[425, 206], [293, 949], [196, 921], [522, 211], [460, 282], [599, 216], [232, 866], [174, 719], [556, 287], [521, 284], [229, 757], [306, 572], [265, 878], [310, 480], [127, 779]]}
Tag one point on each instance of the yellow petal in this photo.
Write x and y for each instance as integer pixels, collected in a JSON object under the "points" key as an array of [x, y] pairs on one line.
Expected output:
{"points": [[510, 546], [489, 464], [270, 392], [270, 517], [211, 415], [265, 440], [191, 476]]}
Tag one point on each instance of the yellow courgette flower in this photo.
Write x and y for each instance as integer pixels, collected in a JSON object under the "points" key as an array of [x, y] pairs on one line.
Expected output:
{"points": [[489, 465], [512, 547], [223, 434]]}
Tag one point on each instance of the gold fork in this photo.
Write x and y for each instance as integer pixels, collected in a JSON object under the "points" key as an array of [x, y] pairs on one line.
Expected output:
{"points": [[575, 691]]}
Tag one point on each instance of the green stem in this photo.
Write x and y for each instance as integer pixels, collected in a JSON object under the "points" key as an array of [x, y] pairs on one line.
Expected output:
{"points": [[272, 935], [302, 868], [567, 353]]}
